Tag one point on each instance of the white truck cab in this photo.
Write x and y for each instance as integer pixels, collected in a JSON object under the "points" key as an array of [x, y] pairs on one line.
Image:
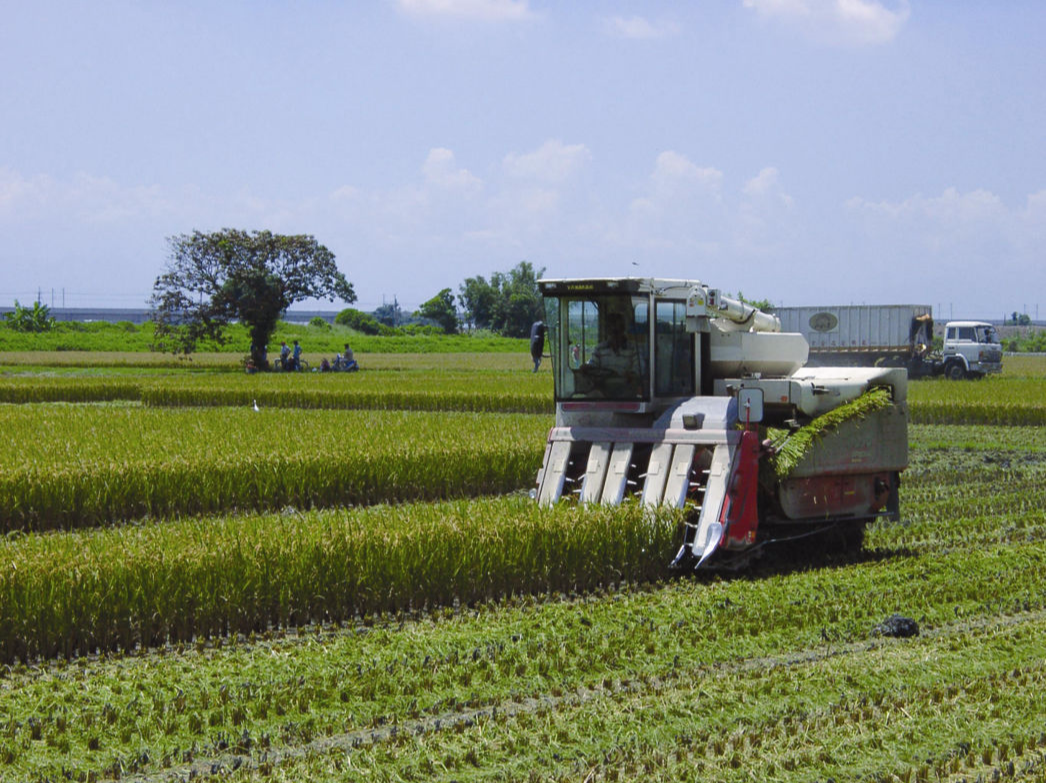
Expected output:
{"points": [[971, 349]]}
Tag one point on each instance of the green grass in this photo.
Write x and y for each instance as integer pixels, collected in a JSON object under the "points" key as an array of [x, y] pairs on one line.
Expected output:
{"points": [[127, 337]]}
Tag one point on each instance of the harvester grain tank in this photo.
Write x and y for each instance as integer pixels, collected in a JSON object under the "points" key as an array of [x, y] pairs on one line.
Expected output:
{"points": [[670, 393]]}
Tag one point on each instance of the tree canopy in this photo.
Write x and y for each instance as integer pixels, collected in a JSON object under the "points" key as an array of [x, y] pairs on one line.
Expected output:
{"points": [[508, 304], [440, 309], [253, 277]]}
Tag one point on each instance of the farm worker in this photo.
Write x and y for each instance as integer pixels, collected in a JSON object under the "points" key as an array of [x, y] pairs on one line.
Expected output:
{"points": [[297, 356], [537, 342], [616, 357], [345, 361], [285, 355]]}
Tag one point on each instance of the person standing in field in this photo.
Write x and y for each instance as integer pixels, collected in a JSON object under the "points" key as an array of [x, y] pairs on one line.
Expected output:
{"points": [[285, 355], [537, 343], [297, 356]]}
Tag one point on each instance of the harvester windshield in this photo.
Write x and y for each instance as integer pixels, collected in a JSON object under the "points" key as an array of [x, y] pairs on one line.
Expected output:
{"points": [[599, 345]]}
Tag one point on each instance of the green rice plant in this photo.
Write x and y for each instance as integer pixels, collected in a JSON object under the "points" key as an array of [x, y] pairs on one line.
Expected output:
{"points": [[427, 390], [119, 359], [435, 382], [725, 666], [1024, 366], [76, 466], [975, 438], [65, 389], [999, 401], [114, 589], [997, 413]]}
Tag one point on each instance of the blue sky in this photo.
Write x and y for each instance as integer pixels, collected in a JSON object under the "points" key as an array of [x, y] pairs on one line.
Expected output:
{"points": [[804, 151]]}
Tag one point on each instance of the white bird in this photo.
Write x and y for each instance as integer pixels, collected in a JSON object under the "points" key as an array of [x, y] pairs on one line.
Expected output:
{"points": [[256, 406]]}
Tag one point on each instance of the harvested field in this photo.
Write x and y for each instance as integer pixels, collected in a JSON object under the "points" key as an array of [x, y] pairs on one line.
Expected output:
{"points": [[485, 638]]}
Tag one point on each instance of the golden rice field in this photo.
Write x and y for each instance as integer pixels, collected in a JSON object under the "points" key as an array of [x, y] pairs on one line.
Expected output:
{"points": [[193, 589]]}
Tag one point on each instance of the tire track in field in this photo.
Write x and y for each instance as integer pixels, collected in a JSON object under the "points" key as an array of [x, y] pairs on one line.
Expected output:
{"points": [[224, 763]]}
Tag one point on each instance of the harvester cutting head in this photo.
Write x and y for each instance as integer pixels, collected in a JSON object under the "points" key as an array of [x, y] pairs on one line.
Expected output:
{"points": [[672, 394]]}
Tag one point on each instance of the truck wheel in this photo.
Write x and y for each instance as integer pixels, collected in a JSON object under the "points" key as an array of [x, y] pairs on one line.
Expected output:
{"points": [[955, 372]]}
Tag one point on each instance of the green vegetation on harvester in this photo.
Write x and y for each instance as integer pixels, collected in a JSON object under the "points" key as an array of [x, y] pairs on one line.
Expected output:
{"points": [[790, 447], [77, 466]]}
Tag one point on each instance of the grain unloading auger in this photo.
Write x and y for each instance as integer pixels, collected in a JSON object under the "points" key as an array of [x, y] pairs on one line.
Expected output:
{"points": [[675, 395]]}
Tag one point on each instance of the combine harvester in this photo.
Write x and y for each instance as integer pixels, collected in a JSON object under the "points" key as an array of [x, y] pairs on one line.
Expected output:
{"points": [[671, 393]]}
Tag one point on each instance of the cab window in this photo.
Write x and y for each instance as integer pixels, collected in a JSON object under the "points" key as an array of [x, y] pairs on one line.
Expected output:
{"points": [[600, 346], [673, 351]]}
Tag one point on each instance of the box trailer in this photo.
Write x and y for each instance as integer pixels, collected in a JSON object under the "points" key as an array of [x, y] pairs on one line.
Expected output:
{"points": [[893, 336]]}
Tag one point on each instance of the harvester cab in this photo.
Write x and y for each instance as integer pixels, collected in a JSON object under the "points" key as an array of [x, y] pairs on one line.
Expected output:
{"points": [[670, 393]]}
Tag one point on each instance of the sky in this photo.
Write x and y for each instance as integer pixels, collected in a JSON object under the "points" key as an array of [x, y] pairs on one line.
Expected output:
{"points": [[809, 152]]}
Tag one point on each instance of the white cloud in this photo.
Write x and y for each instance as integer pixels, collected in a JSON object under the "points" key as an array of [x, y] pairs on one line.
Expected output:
{"points": [[674, 175], [552, 162], [956, 243], [84, 197], [766, 187], [951, 208], [761, 184], [346, 193], [440, 170], [639, 28], [837, 22], [766, 222], [679, 211], [478, 10]]}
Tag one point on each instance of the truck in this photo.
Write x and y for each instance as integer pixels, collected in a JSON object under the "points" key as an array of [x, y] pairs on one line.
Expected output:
{"points": [[894, 336], [671, 394]]}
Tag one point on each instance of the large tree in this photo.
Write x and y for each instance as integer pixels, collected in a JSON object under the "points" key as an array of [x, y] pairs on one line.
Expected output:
{"points": [[477, 298], [508, 304], [227, 275], [440, 309], [520, 302]]}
